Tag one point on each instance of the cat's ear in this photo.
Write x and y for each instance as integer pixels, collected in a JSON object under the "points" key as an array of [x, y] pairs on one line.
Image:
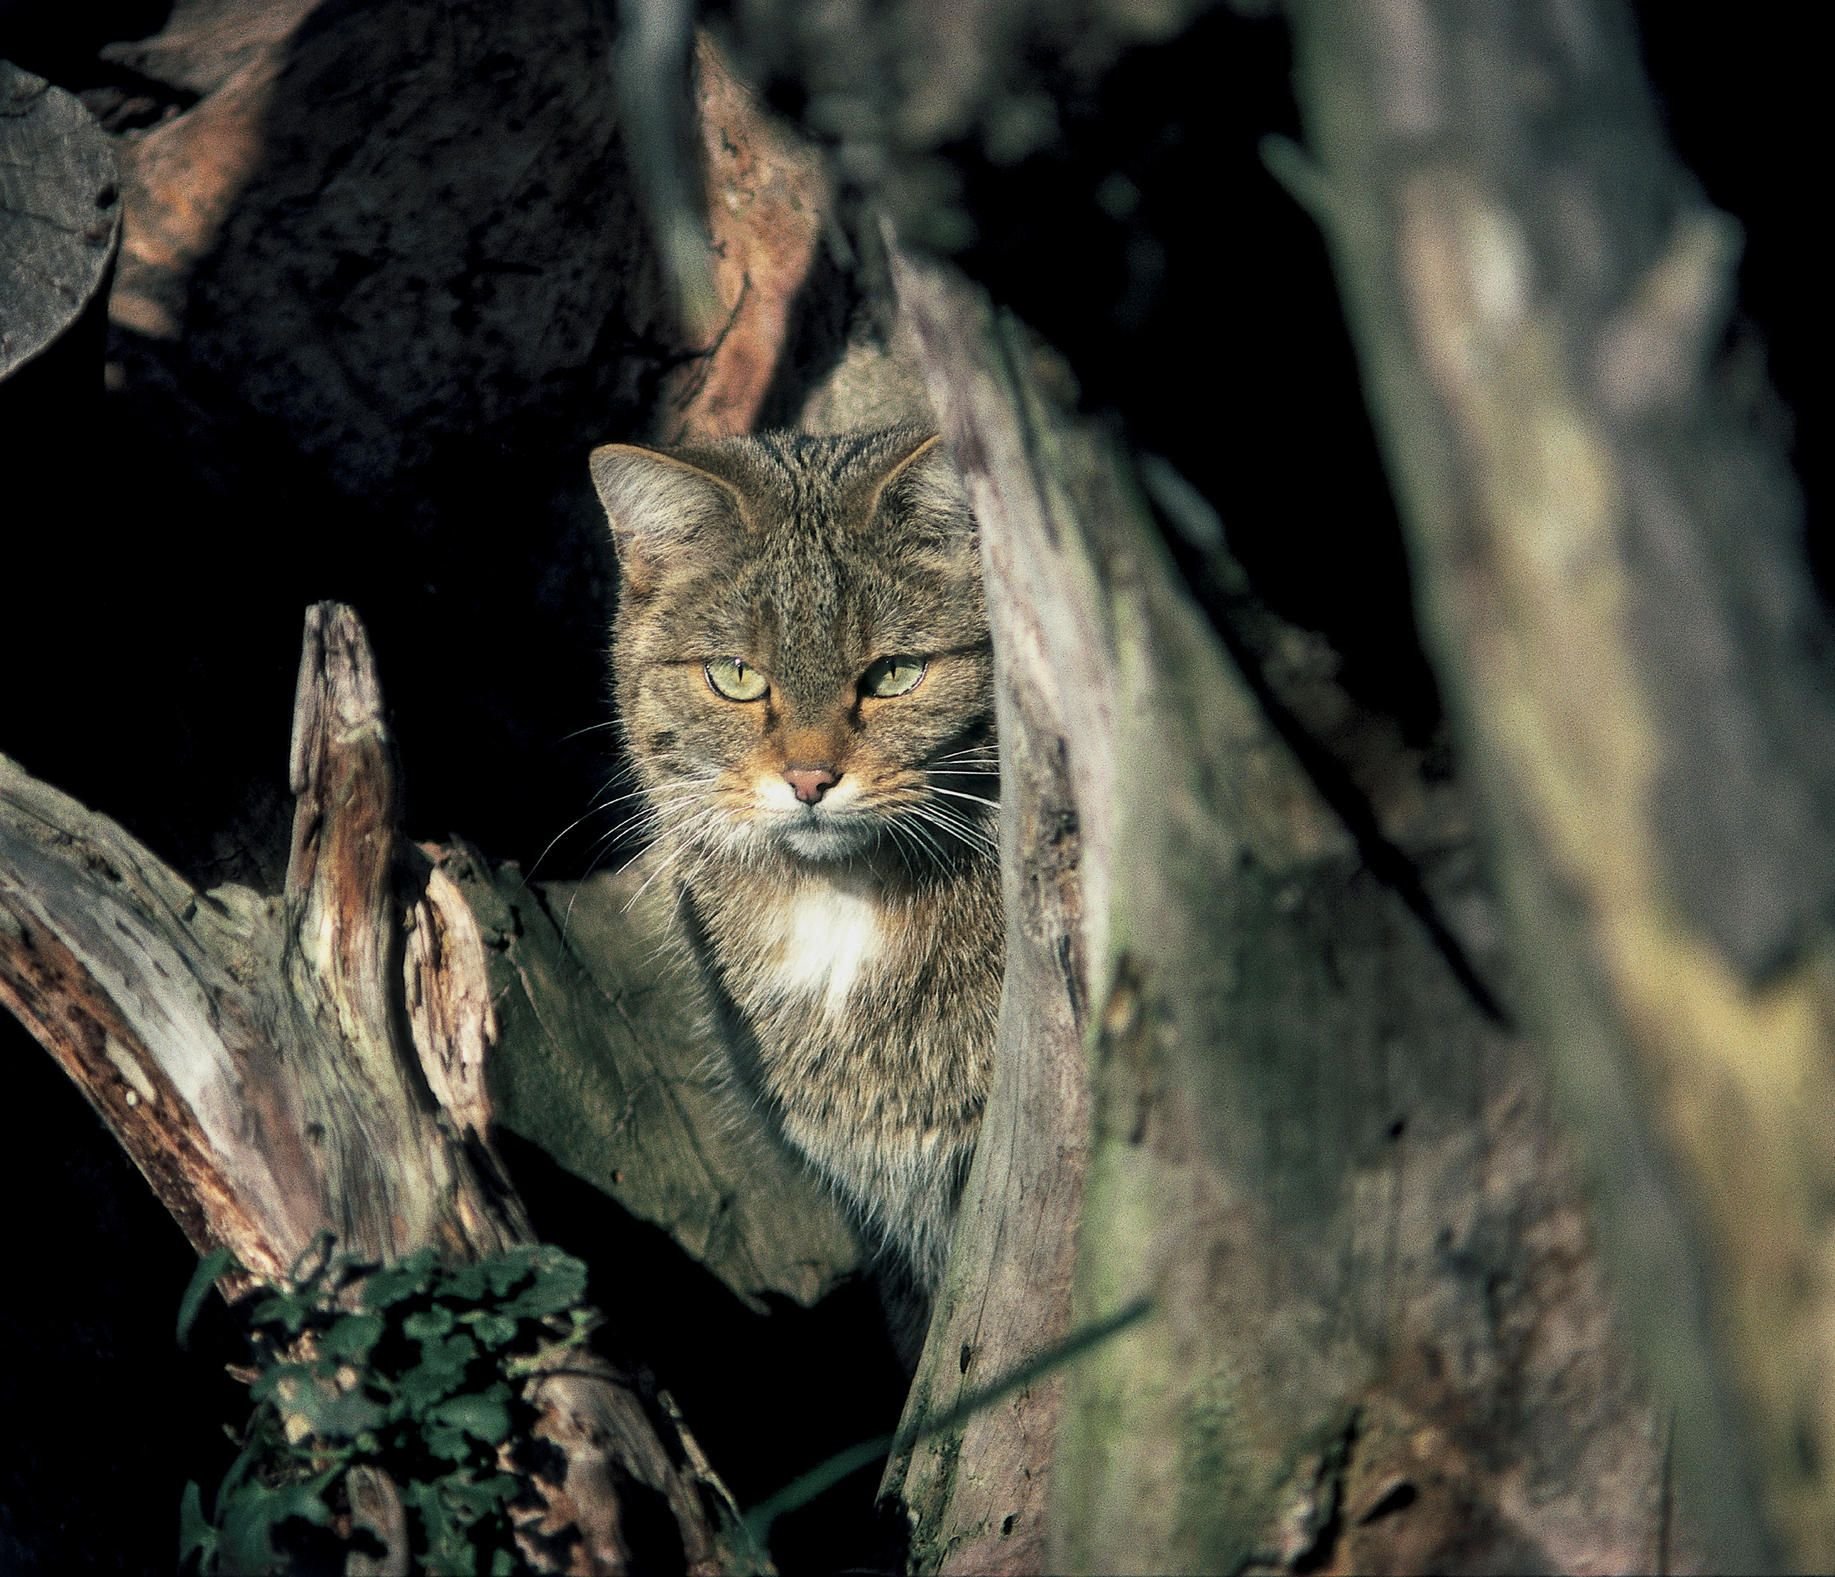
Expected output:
{"points": [[919, 485], [657, 504]]}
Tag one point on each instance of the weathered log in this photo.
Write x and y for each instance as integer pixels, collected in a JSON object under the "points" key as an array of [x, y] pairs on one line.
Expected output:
{"points": [[606, 1062], [978, 1495], [280, 1066], [1609, 555], [60, 214], [1380, 1339], [475, 203]]}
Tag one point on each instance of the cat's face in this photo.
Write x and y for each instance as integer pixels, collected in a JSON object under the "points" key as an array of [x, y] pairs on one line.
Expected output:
{"points": [[801, 650]]}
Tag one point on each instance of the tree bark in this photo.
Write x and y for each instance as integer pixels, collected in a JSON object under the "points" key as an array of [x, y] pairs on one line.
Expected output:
{"points": [[60, 214], [1261, 1069], [1378, 1337], [978, 1493], [280, 1066], [1609, 556], [604, 1060]]}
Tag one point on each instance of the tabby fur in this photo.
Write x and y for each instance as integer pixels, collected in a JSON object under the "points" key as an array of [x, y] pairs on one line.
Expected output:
{"points": [[852, 947]]}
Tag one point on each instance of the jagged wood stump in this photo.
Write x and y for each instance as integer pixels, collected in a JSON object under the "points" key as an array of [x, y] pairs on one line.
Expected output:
{"points": [[277, 1066]]}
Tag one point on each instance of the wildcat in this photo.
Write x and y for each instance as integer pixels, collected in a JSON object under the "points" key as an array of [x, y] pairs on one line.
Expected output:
{"points": [[804, 688]]}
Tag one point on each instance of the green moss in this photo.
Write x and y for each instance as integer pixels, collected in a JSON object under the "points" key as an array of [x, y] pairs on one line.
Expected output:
{"points": [[413, 1370]]}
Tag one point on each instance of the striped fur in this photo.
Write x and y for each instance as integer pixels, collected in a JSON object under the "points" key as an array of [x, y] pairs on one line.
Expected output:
{"points": [[852, 948]]}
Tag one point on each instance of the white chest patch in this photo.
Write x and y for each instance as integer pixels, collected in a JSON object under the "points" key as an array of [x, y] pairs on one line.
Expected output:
{"points": [[830, 935]]}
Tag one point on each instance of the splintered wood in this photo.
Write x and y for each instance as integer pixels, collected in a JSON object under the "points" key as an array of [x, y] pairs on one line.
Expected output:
{"points": [[277, 1067]]}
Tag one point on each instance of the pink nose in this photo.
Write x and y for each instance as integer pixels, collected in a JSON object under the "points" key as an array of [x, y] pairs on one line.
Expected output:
{"points": [[810, 783]]}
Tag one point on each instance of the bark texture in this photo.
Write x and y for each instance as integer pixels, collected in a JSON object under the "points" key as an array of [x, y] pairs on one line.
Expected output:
{"points": [[60, 214], [280, 1066], [606, 1063], [1609, 554], [1378, 1338], [977, 1495]]}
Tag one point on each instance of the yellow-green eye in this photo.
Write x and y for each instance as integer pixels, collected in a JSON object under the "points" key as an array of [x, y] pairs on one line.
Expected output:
{"points": [[735, 679], [892, 676]]}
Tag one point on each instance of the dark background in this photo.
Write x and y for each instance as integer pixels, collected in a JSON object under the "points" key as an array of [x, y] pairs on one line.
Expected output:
{"points": [[154, 590]]}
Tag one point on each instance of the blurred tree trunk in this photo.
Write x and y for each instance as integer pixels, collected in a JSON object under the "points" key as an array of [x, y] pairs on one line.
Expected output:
{"points": [[1608, 547], [60, 230], [60, 216]]}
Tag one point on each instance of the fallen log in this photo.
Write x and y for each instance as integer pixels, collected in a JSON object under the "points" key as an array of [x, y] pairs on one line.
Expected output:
{"points": [[282, 1066]]}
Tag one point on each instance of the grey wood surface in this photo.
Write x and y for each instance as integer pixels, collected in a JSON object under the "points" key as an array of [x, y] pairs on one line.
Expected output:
{"points": [[60, 213]]}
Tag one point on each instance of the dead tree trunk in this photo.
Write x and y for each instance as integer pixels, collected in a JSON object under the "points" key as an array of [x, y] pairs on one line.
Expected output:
{"points": [[281, 1066], [1609, 554], [1377, 1339], [60, 215]]}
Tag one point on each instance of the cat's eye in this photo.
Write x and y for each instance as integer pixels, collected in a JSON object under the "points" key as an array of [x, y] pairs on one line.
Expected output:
{"points": [[892, 676], [736, 679]]}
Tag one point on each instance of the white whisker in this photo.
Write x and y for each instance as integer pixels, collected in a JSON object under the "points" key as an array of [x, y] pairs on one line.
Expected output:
{"points": [[536, 863], [958, 827], [618, 799], [687, 845], [610, 722], [979, 799], [890, 829], [930, 843]]}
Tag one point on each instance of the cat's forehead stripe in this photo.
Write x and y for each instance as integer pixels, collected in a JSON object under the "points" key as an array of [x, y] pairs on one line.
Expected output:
{"points": [[807, 588]]}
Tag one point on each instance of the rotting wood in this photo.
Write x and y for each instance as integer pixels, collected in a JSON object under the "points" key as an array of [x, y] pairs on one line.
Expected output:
{"points": [[60, 214], [766, 201], [1380, 1339], [253, 1056], [606, 1063], [1608, 550]]}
